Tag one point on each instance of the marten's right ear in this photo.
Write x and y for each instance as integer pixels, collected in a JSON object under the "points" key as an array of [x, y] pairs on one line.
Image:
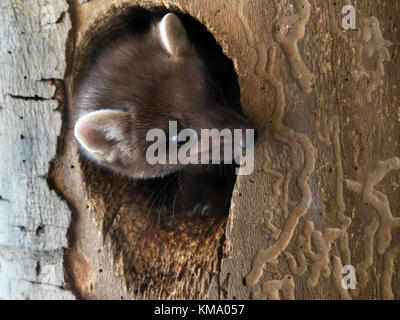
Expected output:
{"points": [[99, 132], [173, 35]]}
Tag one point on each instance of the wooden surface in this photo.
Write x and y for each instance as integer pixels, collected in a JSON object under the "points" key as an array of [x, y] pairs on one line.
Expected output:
{"points": [[324, 192], [33, 219]]}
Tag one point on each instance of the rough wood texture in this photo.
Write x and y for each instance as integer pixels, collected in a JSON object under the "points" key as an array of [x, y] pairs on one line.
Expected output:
{"points": [[33, 219], [324, 192]]}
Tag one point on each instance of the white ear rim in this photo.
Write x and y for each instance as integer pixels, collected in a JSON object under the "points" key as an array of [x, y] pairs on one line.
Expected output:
{"points": [[173, 35], [84, 120]]}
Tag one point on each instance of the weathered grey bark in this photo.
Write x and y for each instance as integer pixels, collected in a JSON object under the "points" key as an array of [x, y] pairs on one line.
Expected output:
{"points": [[324, 192], [33, 219]]}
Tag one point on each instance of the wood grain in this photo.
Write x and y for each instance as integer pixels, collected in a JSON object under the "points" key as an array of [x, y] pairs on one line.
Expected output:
{"points": [[33, 219], [323, 195]]}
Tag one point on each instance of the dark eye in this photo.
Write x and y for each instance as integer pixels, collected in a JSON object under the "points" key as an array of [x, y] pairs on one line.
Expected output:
{"points": [[175, 137]]}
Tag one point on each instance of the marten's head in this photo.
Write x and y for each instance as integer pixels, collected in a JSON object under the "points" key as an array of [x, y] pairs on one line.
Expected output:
{"points": [[142, 82]]}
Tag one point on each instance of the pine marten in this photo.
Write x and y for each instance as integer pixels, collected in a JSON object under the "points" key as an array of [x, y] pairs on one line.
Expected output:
{"points": [[144, 81]]}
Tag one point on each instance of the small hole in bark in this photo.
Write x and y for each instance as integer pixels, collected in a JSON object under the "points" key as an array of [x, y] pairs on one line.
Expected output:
{"points": [[40, 230], [38, 269]]}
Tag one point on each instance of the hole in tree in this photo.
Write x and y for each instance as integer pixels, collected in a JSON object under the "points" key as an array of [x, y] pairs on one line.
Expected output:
{"points": [[153, 222]]}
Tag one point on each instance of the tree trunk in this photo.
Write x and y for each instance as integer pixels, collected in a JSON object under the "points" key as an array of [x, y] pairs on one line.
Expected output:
{"points": [[33, 219], [320, 204]]}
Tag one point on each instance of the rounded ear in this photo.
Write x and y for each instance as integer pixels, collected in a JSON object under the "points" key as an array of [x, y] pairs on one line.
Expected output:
{"points": [[98, 133], [173, 35]]}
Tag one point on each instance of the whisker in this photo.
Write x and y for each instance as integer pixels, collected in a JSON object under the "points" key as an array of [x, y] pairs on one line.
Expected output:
{"points": [[158, 195]]}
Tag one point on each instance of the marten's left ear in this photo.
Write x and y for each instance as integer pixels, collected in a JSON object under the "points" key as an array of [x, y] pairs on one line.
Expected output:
{"points": [[99, 133], [173, 35]]}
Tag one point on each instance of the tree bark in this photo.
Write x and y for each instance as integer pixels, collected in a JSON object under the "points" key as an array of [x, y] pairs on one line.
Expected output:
{"points": [[323, 195], [33, 219]]}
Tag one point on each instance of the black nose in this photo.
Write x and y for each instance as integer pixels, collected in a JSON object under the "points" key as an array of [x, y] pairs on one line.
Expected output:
{"points": [[243, 142]]}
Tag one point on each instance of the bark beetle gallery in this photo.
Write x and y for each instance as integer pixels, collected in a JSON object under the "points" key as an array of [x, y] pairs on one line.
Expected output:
{"points": [[316, 219]]}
